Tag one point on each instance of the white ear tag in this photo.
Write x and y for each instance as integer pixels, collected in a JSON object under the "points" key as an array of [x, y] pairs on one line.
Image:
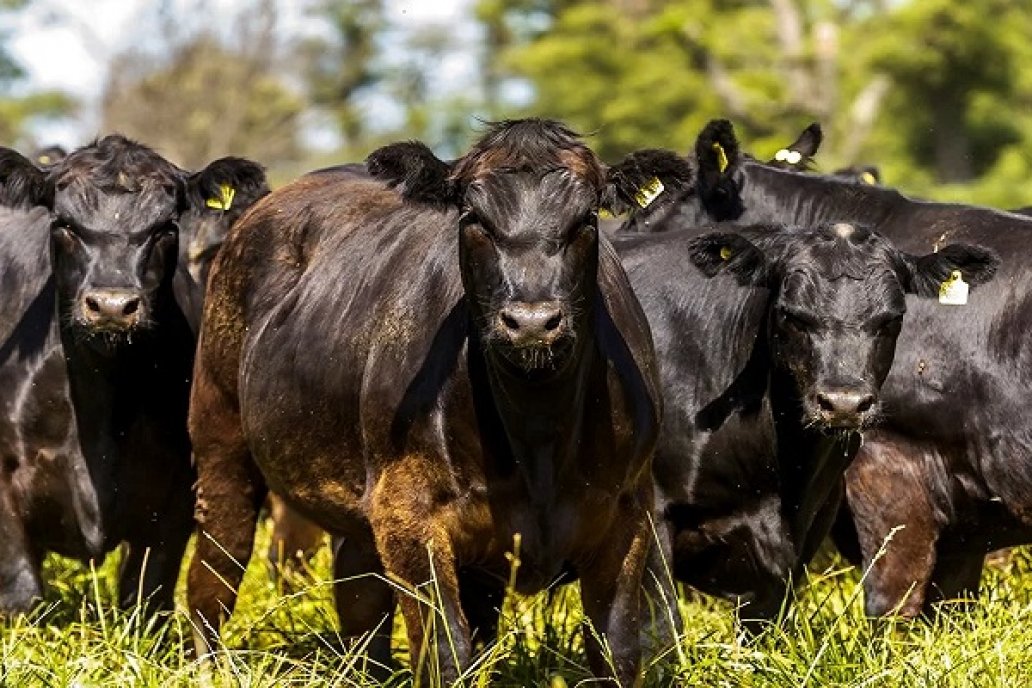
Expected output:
{"points": [[954, 291]]}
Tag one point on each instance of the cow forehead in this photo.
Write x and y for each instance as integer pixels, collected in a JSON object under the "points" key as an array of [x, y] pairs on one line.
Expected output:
{"points": [[521, 198], [115, 211], [845, 296]]}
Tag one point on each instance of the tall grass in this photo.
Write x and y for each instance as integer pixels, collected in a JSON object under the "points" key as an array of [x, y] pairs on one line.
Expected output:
{"points": [[282, 634]]}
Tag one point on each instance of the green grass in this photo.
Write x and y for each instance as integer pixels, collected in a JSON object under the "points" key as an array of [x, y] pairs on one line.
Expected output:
{"points": [[281, 638]]}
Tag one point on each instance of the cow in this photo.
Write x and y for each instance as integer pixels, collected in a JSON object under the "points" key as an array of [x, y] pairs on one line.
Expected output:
{"points": [[764, 410], [952, 462], [440, 375], [96, 352], [215, 201]]}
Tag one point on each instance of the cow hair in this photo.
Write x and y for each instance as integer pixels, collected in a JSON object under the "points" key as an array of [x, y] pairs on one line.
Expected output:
{"points": [[22, 184], [116, 164], [626, 178], [413, 169]]}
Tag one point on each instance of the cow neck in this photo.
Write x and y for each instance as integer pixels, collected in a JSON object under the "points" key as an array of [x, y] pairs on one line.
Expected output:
{"points": [[109, 392], [794, 198], [811, 464]]}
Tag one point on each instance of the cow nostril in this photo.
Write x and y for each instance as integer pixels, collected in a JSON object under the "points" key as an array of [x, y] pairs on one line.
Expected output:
{"points": [[866, 404], [554, 322], [825, 403], [131, 306], [92, 304], [510, 322]]}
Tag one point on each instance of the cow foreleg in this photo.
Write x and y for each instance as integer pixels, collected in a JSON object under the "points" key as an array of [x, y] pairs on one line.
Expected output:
{"points": [[20, 584], [416, 549], [955, 579], [659, 605], [611, 585], [362, 595]]}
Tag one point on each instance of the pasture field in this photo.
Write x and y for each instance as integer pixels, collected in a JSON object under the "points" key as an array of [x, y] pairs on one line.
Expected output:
{"points": [[283, 638]]}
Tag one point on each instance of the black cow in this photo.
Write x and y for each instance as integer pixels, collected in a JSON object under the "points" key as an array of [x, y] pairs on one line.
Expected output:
{"points": [[214, 202], [95, 367], [953, 460], [430, 375], [764, 408]]}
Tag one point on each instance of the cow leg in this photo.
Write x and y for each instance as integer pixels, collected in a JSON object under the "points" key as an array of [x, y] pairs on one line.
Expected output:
{"points": [[481, 596], [611, 585], [659, 593], [295, 539], [20, 583], [956, 579], [230, 490], [149, 572], [416, 549], [895, 526], [362, 596]]}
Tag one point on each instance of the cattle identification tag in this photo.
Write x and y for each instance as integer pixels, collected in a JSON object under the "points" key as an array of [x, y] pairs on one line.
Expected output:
{"points": [[721, 157], [954, 291], [792, 157], [650, 192], [224, 201]]}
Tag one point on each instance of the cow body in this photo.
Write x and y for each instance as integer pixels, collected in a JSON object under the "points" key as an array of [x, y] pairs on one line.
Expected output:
{"points": [[377, 399], [93, 431], [952, 462]]}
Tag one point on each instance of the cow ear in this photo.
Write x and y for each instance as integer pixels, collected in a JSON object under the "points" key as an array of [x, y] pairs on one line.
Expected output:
{"points": [[799, 155], [413, 168], [928, 274], [869, 174], [718, 157], [228, 184], [732, 253], [22, 184], [643, 177]]}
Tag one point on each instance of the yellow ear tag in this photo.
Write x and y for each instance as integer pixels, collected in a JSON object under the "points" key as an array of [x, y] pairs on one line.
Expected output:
{"points": [[721, 157], [725, 253], [225, 198], [954, 291], [604, 214], [650, 192], [868, 178]]}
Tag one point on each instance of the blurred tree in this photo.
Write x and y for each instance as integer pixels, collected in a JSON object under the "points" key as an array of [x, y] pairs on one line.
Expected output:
{"points": [[205, 100], [19, 109], [341, 63]]}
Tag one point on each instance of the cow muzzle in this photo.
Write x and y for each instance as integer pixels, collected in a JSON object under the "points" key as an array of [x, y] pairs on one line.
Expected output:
{"points": [[536, 333], [111, 309], [845, 409]]}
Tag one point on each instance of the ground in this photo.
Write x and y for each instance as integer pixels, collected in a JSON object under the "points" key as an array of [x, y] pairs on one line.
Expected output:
{"points": [[281, 638]]}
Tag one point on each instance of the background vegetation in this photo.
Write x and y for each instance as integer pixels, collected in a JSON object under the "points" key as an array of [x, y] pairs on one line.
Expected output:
{"points": [[936, 92]]}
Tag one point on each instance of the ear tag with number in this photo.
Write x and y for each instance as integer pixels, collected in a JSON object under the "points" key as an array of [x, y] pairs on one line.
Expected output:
{"points": [[721, 157], [649, 192], [954, 291], [725, 253], [224, 201]]}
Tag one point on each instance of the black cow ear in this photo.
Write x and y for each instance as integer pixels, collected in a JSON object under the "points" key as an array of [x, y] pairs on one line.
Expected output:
{"points": [[932, 274], [869, 174], [726, 252], [799, 155], [227, 184], [415, 170], [22, 184], [643, 177], [718, 155]]}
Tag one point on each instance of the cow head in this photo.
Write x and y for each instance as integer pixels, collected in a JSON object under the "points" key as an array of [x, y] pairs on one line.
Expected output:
{"points": [[115, 210], [216, 197], [527, 197], [838, 299]]}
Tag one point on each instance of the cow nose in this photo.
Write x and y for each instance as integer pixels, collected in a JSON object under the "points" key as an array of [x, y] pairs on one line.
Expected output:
{"points": [[111, 306], [844, 407], [532, 324]]}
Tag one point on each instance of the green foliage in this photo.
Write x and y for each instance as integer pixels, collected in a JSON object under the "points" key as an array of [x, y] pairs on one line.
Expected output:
{"points": [[282, 635]]}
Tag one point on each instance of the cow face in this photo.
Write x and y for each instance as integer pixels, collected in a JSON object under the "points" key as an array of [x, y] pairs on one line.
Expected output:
{"points": [[216, 197], [837, 307], [528, 196]]}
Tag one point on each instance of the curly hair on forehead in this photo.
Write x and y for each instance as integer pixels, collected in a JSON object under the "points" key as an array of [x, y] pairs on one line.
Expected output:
{"points": [[116, 164], [533, 144]]}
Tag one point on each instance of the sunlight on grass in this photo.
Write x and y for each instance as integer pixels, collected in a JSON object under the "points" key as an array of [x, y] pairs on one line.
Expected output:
{"points": [[283, 634]]}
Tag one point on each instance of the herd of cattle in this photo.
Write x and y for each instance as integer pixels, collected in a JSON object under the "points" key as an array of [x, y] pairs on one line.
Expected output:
{"points": [[452, 366]]}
